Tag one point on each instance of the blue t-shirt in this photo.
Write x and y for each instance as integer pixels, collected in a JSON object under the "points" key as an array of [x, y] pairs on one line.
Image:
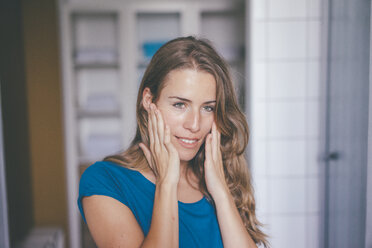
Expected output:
{"points": [[198, 225]]}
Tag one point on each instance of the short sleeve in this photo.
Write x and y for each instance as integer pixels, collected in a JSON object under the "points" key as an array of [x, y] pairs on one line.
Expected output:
{"points": [[97, 179]]}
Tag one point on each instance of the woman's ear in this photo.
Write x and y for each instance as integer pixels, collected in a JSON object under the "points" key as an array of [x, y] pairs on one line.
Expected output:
{"points": [[146, 98]]}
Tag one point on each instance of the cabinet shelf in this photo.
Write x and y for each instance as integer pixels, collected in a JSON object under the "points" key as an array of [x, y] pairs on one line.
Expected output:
{"points": [[143, 63], [98, 114], [96, 65]]}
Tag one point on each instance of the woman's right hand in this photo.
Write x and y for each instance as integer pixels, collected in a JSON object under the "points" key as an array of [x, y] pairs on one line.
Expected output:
{"points": [[162, 156]]}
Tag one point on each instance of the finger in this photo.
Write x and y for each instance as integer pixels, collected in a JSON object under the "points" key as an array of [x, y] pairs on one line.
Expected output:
{"points": [[219, 143], [154, 127], [214, 142], [150, 128], [208, 152], [160, 124], [147, 154], [167, 140]]}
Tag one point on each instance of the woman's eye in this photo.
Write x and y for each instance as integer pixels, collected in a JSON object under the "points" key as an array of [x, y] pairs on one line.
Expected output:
{"points": [[209, 108], [179, 105]]}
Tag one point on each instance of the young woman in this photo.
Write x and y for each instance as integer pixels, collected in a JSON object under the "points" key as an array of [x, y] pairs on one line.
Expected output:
{"points": [[184, 181]]}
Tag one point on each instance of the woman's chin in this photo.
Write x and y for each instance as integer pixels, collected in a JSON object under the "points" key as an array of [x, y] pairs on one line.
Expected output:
{"points": [[186, 157], [186, 154]]}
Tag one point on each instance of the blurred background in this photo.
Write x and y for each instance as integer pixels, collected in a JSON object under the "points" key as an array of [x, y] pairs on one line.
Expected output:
{"points": [[69, 74]]}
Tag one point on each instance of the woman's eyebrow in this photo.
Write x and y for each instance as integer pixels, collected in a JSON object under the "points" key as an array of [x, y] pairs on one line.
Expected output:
{"points": [[180, 98], [187, 100]]}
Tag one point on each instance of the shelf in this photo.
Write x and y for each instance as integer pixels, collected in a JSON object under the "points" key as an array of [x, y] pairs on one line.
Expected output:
{"points": [[96, 57], [143, 63], [96, 65], [98, 114], [97, 90], [99, 137], [154, 30], [95, 34], [226, 31]]}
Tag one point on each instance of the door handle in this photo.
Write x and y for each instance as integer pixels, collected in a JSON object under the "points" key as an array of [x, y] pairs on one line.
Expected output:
{"points": [[332, 156]]}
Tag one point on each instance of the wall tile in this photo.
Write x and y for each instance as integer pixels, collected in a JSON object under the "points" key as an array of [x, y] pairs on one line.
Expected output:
{"points": [[287, 8], [313, 79], [286, 157], [314, 39], [312, 119], [313, 157], [313, 194], [287, 231], [264, 219], [286, 119], [258, 9], [259, 125], [286, 79], [259, 75], [287, 40], [312, 230], [261, 194], [259, 158], [287, 195], [314, 8], [259, 40]]}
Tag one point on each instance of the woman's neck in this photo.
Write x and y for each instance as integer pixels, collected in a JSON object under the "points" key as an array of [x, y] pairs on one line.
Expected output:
{"points": [[183, 169]]}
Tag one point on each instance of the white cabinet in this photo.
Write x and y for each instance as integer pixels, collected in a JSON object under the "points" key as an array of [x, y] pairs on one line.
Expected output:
{"points": [[106, 46]]}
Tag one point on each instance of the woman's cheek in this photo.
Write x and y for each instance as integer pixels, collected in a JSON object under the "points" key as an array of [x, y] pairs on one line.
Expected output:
{"points": [[208, 124], [172, 119]]}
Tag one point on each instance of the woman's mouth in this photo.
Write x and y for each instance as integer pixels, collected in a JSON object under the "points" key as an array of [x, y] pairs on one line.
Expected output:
{"points": [[187, 142]]}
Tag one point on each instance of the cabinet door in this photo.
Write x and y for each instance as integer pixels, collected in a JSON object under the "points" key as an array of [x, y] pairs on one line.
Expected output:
{"points": [[225, 29], [96, 83], [153, 30]]}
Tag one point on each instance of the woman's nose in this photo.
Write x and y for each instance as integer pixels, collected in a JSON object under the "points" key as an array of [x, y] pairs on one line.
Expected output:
{"points": [[192, 121]]}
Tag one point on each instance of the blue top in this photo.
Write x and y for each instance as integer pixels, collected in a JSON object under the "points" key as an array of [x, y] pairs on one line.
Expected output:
{"points": [[198, 225]]}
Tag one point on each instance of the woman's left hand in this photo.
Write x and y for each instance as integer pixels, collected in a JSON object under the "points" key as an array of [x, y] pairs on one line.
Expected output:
{"points": [[213, 165]]}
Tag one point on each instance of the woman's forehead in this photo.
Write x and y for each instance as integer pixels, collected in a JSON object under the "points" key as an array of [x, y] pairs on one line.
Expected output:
{"points": [[190, 83]]}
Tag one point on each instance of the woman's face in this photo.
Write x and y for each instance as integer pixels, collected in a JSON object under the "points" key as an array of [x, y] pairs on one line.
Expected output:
{"points": [[187, 103]]}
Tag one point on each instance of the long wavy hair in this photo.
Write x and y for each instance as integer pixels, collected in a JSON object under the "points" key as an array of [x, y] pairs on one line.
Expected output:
{"points": [[199, 54]]}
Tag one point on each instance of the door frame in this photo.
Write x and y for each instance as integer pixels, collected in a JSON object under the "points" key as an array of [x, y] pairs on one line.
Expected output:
{"points": [[368, 242], [4, 223]]}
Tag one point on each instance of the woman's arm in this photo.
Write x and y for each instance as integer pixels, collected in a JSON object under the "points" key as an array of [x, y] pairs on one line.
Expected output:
{"points": [[233, 231], [112, 224], [164, 160], [164, 224]]}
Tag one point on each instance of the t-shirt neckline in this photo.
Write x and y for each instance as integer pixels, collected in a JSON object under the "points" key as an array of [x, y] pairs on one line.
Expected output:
{"points": [[153, 185]]}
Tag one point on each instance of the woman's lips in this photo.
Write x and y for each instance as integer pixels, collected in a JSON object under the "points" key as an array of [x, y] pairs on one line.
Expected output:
{"points": [[187, 142]]}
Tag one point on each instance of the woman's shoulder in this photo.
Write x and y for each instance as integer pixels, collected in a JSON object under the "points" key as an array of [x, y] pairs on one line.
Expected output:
{"points": [[110, 173], [105, 173], [107, 168]]}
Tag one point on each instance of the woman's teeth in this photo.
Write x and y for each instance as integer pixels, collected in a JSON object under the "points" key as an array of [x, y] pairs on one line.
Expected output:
{"points": [[188, 141]]}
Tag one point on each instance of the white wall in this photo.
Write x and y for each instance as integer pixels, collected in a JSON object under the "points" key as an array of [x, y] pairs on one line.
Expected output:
{"points": [[285, 98]]}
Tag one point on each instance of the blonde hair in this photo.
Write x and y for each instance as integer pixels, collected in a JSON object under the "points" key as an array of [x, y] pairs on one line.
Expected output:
{"points": [[192, 53]]}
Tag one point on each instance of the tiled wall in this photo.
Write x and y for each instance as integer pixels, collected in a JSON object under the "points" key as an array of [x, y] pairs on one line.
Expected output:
{"points": [[284, 107]]}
